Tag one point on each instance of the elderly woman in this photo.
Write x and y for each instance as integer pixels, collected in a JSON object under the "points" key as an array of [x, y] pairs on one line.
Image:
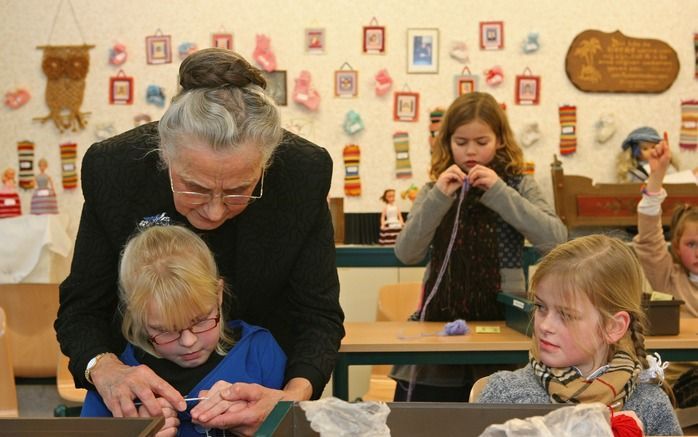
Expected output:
{"points": [[218, 162]]}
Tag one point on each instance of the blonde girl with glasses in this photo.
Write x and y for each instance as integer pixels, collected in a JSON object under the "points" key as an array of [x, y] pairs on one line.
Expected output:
{"points": [[588, 340], [171, 298]]}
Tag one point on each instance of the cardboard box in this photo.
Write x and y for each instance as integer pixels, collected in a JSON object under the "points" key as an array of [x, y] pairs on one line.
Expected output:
{"points": [[413, 419], [518, 312], [662, 315], [83, 426]]}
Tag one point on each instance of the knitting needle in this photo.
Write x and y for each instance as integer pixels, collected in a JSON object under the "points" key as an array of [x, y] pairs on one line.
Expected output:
{"points": [[139, 403]]}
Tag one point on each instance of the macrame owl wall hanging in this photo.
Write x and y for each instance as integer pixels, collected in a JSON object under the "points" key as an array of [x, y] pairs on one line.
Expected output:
{"points": [[65, 68]]}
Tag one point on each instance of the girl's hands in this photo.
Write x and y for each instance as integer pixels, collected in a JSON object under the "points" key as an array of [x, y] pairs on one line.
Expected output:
{"points": [[170, 428], [659, 161], [450, 180], [482, 177], [239, 407]]}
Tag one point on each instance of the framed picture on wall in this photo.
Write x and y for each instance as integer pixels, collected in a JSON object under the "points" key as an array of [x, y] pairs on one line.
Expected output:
{"points": [[346, 83], [315, 41], [422, 50], [491, 35], [276, 86], [465, 83], [374, 40], [527, 90], [121, 89], [158, 49], [222, 40], [405, 106]]}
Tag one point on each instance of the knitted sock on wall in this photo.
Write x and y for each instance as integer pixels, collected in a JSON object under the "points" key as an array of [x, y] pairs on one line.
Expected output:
{"points": [[403, 168], [352, 182], [568, 129], [69, 152], [25, 151], [688, 140]]}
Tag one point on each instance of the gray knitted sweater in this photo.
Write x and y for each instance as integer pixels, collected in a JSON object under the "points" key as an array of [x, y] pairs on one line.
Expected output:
{"points": [[522, 386]]}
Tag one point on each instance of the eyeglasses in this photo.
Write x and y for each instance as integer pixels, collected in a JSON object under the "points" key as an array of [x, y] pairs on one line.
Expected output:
{"points": [[197, 328], [196, 198]]}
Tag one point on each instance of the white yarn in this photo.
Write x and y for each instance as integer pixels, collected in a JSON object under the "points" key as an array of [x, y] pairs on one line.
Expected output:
{"points": [[655, 371]]}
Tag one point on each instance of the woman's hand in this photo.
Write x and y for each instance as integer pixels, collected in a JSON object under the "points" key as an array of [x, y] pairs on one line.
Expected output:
{"points": [[242, 407], [119, 385], [482, 177], [239, 407], [171, 426], [450, 180]]}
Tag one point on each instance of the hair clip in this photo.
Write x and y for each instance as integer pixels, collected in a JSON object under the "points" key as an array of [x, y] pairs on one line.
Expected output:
{"points": [[154, 220]]}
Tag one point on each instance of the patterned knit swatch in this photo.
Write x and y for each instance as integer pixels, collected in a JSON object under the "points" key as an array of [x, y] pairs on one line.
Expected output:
{"points": [[10, 205], [568, 129], [403, 168], [69, 152], [25, 150], [352, 182], [688, 139], [529, 167]]}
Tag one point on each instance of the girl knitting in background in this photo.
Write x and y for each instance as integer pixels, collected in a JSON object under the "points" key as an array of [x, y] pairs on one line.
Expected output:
{"points": [[474, 215], [673, 271], [391, 219], [171, 297], [588, 337]]}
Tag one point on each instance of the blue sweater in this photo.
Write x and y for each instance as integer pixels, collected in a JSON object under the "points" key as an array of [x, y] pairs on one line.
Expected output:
{"points": [[522, 386], [255, 358]]}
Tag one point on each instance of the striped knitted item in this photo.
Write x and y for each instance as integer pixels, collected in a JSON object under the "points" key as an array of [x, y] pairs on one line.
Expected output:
{"points": [[10, 205], [69, 152], [403, 168], [529, 167], [25, 150], [352, 182], [568, 129], [688, 139]]}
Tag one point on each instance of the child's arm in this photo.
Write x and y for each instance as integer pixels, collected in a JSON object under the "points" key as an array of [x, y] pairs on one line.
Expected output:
{"points": [[659, 161], [399, 217], [383, 217]]}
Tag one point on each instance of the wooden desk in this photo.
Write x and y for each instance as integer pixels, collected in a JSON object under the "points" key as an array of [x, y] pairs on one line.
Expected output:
{"points": [[405, 343]]}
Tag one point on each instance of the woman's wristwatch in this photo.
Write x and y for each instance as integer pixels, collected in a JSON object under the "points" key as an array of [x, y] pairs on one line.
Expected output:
{"points": [[91, 364]]}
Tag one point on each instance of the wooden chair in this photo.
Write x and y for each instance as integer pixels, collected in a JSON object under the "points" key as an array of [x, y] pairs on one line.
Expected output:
{"points": [[8, 391], [31, 310], [477, 389], [66, 384], [581, 203], [395, 302]]}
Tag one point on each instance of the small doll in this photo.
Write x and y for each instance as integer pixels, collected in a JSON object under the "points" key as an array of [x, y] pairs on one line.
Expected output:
{"points": [[632, 163], [9, 199], [391, 219], [44, 197]]}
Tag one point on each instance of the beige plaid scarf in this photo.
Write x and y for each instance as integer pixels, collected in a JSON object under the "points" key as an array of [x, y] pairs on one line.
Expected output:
{"points": [[612, 384]]}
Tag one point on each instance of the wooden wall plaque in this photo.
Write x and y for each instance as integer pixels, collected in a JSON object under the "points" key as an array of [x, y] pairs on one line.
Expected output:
{"points": [[602, 62]]}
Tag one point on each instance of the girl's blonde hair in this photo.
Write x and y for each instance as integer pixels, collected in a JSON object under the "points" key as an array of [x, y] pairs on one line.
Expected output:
{"points": [[606, 271], [683, 215], [465, 109], [168, 269]]}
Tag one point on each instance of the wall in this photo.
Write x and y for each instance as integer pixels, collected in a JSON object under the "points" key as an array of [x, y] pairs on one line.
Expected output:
{"points": [[26, 24]]}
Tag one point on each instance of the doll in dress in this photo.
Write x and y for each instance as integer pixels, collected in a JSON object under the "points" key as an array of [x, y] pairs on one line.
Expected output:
{"points": [[391, 219], [44, 197], [9, 199]]}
